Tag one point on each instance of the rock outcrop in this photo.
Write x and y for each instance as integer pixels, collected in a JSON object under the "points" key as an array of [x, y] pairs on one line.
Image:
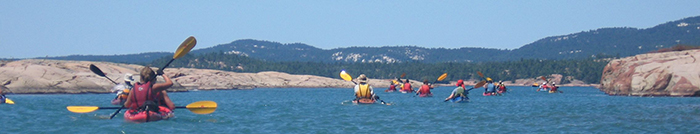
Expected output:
{"points": [[37, 76], [654, 74]]}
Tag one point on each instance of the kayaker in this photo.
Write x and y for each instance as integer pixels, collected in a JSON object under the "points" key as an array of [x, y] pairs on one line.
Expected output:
{"points": [[424, 90], [362, 89], [501, 88], [553, 88], [392, 87], [123, 90], [407, 87], [459, 92], [490, 87], [543, 87], [144, 95]]}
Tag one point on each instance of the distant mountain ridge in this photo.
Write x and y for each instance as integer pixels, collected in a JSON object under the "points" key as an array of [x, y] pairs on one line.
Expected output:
{"points": [[600, 42]]}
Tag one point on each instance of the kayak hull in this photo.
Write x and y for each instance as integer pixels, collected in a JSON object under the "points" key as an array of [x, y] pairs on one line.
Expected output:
{"points": [[425, 95], [459, 100], [364, 101], [491, 94], [147, 116]]}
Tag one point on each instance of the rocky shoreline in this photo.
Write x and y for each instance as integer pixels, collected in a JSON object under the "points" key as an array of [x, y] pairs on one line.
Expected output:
{"points": [[39, 76], [654, 74]]}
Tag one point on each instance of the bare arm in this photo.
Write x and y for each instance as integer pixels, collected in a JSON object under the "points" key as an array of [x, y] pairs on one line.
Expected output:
{"points": [[158, 87], [168, 102]]}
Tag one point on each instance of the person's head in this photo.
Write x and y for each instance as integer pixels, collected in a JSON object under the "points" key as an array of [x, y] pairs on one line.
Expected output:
{"points": [[460, 82], [362, 78], [128, 78], [406, 80], [147, 74], [425, 81], [391, 83]]}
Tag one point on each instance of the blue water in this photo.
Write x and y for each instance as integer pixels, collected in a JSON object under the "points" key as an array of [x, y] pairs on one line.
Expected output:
{"points": [[327, 110]]}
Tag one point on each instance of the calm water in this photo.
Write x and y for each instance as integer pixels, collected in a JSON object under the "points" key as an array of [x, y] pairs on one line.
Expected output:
{"points": [[325, 110]]}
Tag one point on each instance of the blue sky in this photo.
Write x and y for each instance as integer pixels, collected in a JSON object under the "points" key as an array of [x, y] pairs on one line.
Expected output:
{"points": [[38, 28]]}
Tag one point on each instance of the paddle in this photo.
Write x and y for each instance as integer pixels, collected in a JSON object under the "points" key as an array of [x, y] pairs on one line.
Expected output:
{"points": [[346, 76], [182, 50], [477, 85], [200, 107], [99, 72]]}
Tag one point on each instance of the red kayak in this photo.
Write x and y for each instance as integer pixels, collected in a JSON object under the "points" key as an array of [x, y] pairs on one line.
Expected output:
{"points": [[364, 101], [133, 116], [491, 94], [425, 95]]}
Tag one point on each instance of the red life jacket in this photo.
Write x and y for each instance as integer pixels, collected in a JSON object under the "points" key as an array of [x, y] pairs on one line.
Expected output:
{"points": [[392, 87], [425, 89], [141, 94], [406, 87], [553, 88]]}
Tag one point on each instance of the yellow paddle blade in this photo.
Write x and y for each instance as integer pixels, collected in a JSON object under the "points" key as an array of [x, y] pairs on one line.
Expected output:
{"points": [[185, 47], [8, 101], [480, 84], [202, 107], [345, 76], [82, 109], [442, 77]]}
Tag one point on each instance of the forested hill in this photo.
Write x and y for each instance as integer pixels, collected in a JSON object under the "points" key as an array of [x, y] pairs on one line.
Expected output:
{"points": [[619, 42], [273, 51], [612, 41], [587, 70]]}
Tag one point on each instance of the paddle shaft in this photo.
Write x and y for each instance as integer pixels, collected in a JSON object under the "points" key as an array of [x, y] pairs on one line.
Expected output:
{"points": [[166, 65], [115, 113], [110, 80]]}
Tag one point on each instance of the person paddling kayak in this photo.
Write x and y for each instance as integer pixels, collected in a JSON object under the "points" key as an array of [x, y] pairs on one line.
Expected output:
{"points": [[460, 93], [490, 88], [144, 97], [407, 87], [424, 90], [553, 88], [501, 87], [123, 90], [392, 87], [363, 92], [543, 87]]}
